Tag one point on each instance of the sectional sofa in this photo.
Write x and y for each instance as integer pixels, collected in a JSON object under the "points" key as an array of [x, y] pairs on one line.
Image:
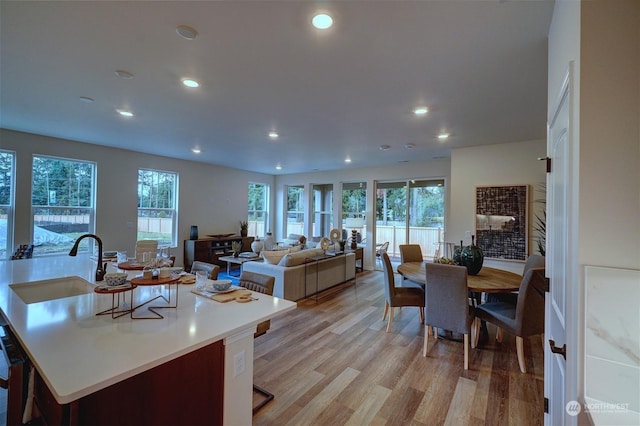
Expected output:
{"points": [[299, 275]]}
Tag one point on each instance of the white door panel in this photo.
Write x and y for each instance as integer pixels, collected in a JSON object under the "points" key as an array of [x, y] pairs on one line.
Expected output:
{"points": [[557, 256]]}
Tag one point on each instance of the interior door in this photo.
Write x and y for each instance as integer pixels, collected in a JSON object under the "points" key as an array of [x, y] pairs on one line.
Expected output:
{"points": [[557, 258]]}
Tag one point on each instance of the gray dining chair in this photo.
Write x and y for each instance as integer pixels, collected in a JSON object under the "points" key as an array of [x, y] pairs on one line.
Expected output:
{"points": [[525, 318], [447, 304], [533, 261], [398, 296]]}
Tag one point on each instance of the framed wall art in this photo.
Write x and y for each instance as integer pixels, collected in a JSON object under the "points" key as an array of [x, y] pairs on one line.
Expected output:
{"points": [[502, 222]]}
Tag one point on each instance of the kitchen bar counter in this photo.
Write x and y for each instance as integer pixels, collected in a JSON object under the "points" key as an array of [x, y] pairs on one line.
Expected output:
{"points": [[78, 353]]}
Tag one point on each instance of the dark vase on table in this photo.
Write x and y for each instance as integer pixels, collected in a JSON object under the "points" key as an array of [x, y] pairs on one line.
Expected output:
{"points": [[193, 234], [472, 257]]}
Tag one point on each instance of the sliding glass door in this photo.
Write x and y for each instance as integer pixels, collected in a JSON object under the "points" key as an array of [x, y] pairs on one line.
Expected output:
{"points": [[411, 212]]}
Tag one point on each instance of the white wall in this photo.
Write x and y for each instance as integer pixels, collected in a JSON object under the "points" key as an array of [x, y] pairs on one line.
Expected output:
{"points": [[503, 164], [610, 134], [212, 197]]}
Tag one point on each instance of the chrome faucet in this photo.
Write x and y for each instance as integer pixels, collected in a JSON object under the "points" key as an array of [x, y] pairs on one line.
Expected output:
{"points": [[101, 269]]}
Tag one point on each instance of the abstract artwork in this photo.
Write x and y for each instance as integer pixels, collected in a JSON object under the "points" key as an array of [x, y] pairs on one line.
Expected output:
{"points": [[502, 221]]}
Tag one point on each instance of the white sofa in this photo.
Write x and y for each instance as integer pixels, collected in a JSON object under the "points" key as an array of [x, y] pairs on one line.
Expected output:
{"points": [[296, 276]]}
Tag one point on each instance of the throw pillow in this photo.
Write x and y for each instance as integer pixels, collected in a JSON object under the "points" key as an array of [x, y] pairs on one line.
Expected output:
{"points": [[273, 257]]}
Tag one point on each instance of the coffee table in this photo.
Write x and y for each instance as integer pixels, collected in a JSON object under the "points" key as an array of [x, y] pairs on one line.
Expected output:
{"points": [[238, 261]]}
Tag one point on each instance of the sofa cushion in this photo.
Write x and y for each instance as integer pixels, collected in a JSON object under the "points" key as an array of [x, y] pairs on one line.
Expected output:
{"points": [[298, 257], [273, 256]]}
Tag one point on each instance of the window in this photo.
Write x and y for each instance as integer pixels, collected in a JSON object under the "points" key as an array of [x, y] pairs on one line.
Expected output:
{"points": [[157, 214], [295, 210], [258, 211], [62, 204], [7, 185], [354, 199], [322, 210]]}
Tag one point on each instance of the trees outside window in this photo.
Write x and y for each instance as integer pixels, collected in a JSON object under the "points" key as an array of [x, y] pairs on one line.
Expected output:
{"points": [[62, 204], [7, 185], [354, 200], [295, 210], [410, 212], [258, 210], [157, 211]]}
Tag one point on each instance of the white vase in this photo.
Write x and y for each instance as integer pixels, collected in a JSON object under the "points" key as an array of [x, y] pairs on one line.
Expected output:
{"points": [[256, 246], [268, 242]]}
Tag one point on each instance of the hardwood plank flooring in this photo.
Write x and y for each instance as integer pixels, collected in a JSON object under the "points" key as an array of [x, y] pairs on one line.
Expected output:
{"points": [[331, 362]]}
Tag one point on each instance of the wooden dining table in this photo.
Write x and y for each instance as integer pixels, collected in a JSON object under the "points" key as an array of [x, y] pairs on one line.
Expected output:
{"points": [[488, 280]]}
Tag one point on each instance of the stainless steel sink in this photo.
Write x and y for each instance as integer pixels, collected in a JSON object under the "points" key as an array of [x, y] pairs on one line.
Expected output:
{"points": [[57, 288]]}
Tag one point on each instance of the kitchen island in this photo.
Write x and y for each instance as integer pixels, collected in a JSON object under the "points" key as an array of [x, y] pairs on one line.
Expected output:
{"points": [[78, 354]]}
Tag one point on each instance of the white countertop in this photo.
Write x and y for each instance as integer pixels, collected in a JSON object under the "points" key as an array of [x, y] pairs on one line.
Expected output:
{"points": [[78, 353]]}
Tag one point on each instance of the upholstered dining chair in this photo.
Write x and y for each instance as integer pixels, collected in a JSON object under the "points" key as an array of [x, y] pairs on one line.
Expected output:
{"points": [[447, 304], [410, 253], [260, 283], [212, 270], [533, 261], [398, 296], [525, 318]]}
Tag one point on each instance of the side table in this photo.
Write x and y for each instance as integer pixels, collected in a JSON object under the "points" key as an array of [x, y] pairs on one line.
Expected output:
{"points": [[173, 279], [237, 261], [115, 310]]}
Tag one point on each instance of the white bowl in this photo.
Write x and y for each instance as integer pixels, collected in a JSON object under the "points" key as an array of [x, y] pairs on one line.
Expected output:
{"points": [[115, 278], [221, 285]]}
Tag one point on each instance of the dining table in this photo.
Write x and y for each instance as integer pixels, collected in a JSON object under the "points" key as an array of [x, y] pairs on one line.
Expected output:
{"points": [[488, 280]]}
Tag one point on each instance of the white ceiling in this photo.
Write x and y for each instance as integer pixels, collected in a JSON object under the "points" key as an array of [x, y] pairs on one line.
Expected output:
{"points": [[480, 66]]}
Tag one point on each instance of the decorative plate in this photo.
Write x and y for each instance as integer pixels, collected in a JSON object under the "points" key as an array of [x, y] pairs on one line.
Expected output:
{"points": [[324, 243], [334, 235]]}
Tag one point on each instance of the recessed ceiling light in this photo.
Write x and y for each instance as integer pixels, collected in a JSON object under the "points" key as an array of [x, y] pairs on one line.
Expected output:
{"points": [[385, 147], [410, 146], [125, 113], [347, 160], [273, 134], [86, 99], [278, 167], [322, 21], [443, 136], [190, 83], [187, 32], [421, 111], [195, 150], [124, 74]]}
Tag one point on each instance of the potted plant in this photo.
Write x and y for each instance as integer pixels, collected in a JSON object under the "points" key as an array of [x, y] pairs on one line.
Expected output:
{"points": [[244, 228]]}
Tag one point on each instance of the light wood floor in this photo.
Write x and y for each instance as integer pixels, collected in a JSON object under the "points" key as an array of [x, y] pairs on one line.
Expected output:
{"points": [[331, 363]]}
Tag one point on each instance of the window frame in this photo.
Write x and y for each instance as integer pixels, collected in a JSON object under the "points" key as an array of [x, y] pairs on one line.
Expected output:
{"points": [[88, 244], [174, 209], [259, 227]]}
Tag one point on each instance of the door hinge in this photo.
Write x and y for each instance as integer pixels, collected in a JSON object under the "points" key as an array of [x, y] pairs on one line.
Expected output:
{"points": [[548, 160], [557, 349], [546, 405]]}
